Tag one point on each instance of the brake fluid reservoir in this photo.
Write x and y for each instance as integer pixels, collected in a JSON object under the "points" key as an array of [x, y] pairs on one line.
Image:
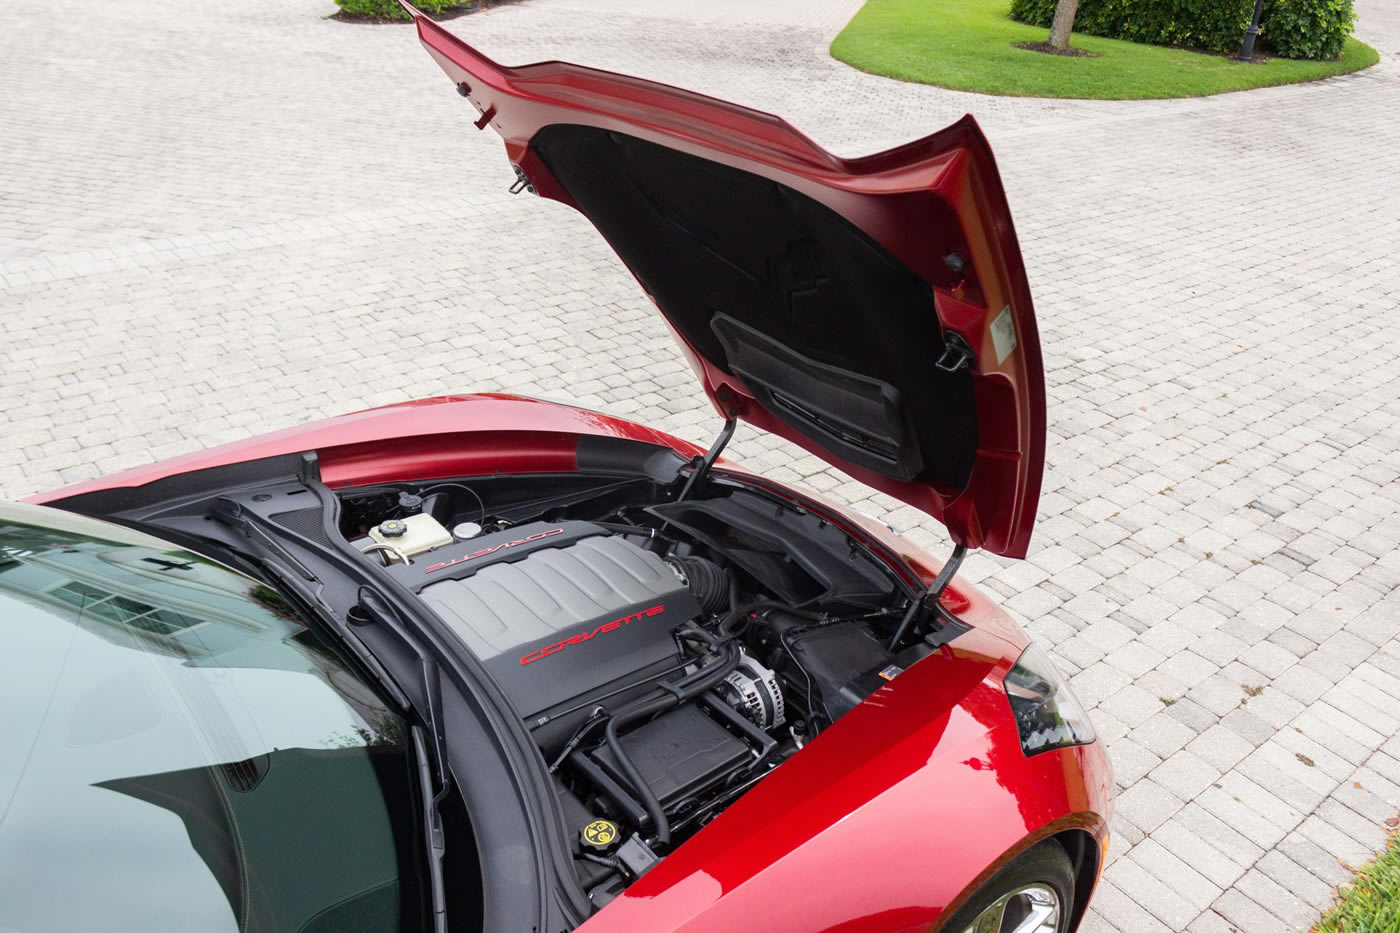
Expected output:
{"points": [[412, 534]]}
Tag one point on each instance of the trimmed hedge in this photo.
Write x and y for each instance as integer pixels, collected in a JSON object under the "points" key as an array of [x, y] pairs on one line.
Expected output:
{"points": [[1307, 28], [390, 9], [1292, 28], [1206, 24]]}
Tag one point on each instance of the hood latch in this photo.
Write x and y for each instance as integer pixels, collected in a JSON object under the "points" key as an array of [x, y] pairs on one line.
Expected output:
{"points": [[957, 354]]}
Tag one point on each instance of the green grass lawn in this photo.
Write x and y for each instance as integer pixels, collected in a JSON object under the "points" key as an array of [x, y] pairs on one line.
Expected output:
{"points": [[1372, 903], [967, 45]]}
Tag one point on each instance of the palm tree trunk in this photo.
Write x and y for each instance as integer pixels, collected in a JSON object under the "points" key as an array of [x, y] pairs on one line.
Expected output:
{"points": [[1063, 23]]}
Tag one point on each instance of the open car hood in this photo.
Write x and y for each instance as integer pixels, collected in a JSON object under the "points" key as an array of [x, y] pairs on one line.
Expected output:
{"points": [[874, 311]]}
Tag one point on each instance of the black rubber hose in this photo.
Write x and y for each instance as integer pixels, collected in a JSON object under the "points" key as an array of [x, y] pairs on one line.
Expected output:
{"points": [[678, 692], [618, 528], [686, 689], [610, 861], [648, 797]]}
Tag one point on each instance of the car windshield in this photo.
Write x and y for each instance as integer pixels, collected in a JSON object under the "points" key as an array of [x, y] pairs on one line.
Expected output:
{"points": [[184, 752]]}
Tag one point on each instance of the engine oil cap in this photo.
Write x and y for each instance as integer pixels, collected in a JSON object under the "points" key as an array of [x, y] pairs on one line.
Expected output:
{"points": [[599, 835], [393, 528]]}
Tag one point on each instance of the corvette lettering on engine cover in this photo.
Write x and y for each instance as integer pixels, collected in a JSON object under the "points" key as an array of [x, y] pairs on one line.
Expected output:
{"points": [[455, 562], [585, 636], [527, 593], [537, 536]]}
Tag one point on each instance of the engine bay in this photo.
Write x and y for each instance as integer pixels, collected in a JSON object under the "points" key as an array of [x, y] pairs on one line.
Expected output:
{"points": [[665, 651]]}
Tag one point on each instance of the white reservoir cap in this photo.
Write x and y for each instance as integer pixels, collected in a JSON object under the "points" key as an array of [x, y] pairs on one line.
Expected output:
{"points": [[464, 530]]}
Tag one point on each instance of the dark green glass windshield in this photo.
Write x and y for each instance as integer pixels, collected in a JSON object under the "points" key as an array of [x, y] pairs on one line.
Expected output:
{"points": [[183, 752]]}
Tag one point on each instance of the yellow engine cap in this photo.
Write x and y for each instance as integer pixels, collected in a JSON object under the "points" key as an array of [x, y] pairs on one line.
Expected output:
{"points": [[599, 835]]}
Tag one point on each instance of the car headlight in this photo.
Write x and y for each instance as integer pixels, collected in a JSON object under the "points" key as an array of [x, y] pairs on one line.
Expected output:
{"points": [[1047, 714]]}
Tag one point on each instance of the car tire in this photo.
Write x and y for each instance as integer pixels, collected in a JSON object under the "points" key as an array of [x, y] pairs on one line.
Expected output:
{"points": [[1032, 894]]}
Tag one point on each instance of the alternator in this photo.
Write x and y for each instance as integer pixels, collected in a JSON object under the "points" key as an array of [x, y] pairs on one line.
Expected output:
{"points": [[752, 689]]}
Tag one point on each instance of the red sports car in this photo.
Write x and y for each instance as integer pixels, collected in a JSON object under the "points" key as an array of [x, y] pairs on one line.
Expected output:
{"points": [[487, 663]]}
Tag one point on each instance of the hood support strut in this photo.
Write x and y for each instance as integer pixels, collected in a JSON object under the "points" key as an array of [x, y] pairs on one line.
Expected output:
{"points": [[711, 455], [935, 590]]}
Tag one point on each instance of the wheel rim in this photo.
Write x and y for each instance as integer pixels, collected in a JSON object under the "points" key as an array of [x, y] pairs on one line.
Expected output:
{"points": [[1034, 908]]}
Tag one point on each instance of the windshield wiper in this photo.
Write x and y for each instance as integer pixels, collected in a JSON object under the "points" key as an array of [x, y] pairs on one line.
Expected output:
{"points": [[433, 775], [301, 584], [231, 513], [432, 713], [434, 778], [432, 827]]}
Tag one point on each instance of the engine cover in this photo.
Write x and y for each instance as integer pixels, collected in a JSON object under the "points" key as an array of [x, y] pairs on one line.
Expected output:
{"points": [[558, 613]]}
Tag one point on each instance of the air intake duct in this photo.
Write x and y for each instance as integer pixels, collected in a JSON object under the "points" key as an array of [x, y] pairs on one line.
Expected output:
{"points": [[708, 583]]}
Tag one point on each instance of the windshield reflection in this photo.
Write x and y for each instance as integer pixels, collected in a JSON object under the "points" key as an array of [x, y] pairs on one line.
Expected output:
{"points": [[185, 751]]}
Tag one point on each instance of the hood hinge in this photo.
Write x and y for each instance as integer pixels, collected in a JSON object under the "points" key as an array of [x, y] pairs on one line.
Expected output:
{"points": [[711, 455], [934, 591]]}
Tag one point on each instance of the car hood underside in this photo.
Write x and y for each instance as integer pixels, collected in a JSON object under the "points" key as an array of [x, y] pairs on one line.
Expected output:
{"points": [[874, 311]]}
